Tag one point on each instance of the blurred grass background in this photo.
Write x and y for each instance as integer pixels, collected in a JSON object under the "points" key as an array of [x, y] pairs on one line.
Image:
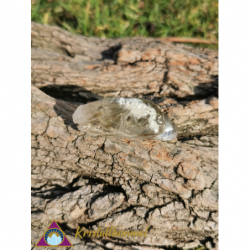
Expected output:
{"points": [[126, 18]]}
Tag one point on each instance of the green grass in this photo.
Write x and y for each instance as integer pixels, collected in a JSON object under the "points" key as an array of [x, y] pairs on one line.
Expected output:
{"points": [[127, 18]]}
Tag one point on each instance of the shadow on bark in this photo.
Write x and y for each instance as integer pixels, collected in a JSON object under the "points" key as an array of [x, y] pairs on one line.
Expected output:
{"points": [[110, 54], [74, 96], [70, 93]]}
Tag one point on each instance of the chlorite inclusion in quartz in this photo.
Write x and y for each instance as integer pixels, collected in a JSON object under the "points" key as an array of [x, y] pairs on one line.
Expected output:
{"points": [[126, 118]]}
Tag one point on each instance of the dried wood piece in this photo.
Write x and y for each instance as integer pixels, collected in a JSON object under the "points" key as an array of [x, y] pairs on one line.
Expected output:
{"points": [[168, 188], [127, 67], [187, 40]]}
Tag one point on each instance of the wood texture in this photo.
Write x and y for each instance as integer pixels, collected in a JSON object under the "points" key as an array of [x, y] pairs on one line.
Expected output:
{"points": [[171, 188], [124, 67]]}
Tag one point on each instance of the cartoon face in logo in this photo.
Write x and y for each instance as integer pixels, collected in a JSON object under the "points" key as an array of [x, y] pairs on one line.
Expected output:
{"points": [[53, 236]]}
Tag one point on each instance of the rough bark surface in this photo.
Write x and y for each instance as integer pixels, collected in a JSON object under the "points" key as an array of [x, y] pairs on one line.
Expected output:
{"points": [[124, 67], [90, 181]]}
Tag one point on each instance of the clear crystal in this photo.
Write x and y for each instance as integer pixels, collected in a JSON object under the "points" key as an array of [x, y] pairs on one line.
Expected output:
{"points": [[124, 117]]}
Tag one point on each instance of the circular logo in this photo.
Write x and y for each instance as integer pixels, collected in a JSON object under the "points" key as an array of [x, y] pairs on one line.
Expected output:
{"points": [[53, 236]]}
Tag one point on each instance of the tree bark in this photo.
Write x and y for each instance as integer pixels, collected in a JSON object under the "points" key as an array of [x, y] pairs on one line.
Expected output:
{"points": [[171, 188], [125, 67]]}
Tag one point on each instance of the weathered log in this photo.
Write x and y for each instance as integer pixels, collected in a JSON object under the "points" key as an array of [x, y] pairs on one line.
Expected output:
{"points": [[171, 188], [124, 67]]}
